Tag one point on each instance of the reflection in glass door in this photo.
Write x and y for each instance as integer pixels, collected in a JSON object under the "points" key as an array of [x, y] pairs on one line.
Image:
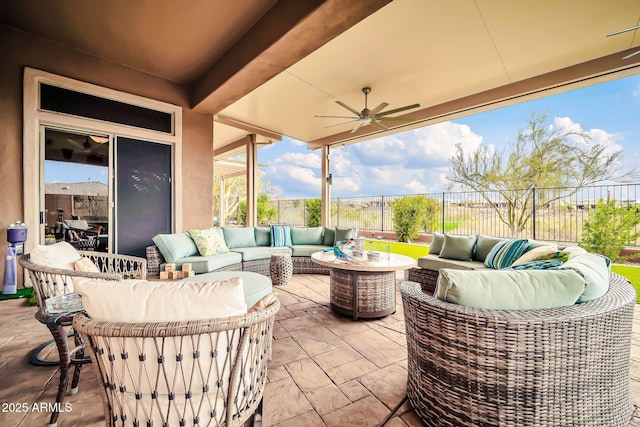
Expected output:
{"points": [[76, 189]]}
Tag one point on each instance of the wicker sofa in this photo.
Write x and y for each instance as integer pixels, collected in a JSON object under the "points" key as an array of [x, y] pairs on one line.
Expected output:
{"points": [[249, 249], [560, 366]]}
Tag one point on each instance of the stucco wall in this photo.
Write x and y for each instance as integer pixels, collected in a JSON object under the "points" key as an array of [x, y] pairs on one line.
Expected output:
{"points": [[19, 50]]}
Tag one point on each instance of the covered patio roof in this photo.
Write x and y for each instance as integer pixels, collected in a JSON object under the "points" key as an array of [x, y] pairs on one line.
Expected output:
{"points": [[264, 69], [273, 65]]}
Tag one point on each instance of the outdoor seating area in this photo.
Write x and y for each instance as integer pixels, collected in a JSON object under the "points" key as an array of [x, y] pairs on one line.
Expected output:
{"points": [[325, 370]]}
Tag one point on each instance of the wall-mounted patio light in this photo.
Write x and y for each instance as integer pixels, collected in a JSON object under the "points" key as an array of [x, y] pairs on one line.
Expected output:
{"points": [[330, 179]]}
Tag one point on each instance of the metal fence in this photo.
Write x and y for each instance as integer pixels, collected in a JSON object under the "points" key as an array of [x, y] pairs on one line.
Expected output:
{"points": [[547, 214]]}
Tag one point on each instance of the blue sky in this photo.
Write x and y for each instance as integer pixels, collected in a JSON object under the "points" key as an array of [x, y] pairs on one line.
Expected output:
{"points": [[417, 161]]}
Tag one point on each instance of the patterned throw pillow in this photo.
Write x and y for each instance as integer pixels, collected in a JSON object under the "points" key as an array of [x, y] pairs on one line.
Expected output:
{"points": [[208, 242], [505, 253], [537, 265], [280, 235]]}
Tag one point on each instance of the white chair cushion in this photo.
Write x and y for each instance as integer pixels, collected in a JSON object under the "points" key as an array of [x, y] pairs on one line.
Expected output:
{"points": [[143, 301]]}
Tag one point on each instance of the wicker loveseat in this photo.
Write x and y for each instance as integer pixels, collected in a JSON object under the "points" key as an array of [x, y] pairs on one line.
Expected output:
{"points": [[549, 367]]}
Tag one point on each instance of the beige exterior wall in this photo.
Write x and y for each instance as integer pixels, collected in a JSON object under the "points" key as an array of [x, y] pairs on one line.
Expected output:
{"points": [[19, 50]]}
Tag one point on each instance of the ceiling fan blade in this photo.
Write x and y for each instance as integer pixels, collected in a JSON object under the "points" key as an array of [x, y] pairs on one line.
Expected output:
{"points": [[342, 104], [358, 126], [341, 117], [397, 110], [342, 123], [632, 54], [379, 125], [623, 31], [395, 119], [379, 108]]}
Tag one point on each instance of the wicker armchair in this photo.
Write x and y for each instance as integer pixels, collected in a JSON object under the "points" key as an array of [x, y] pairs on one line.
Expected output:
{"points": [[205, 372], [564, 366], [48, 282]]}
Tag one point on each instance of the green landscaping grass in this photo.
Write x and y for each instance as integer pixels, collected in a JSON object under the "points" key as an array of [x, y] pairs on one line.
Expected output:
{"points": [[632, 273], [408, 249]]}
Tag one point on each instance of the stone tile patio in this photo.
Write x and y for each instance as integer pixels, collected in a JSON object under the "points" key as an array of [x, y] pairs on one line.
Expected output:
{"points": [[326, 370]]}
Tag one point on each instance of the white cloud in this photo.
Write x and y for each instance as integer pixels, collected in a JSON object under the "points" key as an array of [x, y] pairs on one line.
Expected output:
{"points": [[415, 187], [596, 136], [636, 91], [308, 160]]}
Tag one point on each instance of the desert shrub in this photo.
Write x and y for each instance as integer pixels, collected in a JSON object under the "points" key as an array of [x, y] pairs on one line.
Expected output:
{"points": [[609, 228], [313, 208], [409, 217], [266, 212]]}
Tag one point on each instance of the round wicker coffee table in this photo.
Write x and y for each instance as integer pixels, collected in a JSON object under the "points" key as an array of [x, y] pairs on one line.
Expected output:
{"points": [[365, 290]]}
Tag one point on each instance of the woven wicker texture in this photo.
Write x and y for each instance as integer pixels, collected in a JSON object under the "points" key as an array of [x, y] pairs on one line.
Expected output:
{"points": [[555, 367], [281, 269], [154, 259], [304, 265], [427, 278], [375, 292], [206, 372], [113, 267]]}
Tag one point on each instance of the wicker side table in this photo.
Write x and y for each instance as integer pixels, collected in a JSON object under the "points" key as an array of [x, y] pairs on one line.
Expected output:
{"points": [[281, 269]]}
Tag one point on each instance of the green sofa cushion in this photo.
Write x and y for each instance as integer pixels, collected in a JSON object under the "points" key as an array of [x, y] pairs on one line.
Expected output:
{"points": [[175, 246], [594, 270], [263, 236], [243, 237], [260, 252], [255, 285], [436, 244], [204, 264], [306, 250], [510, 289], [345, 234], [306, 236], [458, 247], [329, 236], [484, 244]]}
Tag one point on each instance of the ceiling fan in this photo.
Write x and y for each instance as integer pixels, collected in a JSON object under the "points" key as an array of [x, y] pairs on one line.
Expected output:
{"points": [[624, 31], [373, 117]]}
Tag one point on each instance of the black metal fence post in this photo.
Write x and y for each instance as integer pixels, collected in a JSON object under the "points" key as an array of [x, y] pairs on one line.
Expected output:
{"points": [[382, 213], [443, 216], [534, 212]]}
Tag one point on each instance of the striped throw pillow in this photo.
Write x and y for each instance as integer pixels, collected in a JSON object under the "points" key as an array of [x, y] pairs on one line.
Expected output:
{"points": [[505, 253], [280, 235]]}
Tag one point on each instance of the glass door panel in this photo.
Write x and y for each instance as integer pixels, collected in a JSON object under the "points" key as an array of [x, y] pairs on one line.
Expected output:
{"points": [[76, 188]]}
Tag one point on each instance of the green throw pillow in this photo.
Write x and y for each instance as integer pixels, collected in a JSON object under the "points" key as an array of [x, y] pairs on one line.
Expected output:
{"points": [[208, 242], [436, 244], [458, 247], [484, 244], [329, 236], [263, 236], [175, 246], [345, 234], [242, 237]]}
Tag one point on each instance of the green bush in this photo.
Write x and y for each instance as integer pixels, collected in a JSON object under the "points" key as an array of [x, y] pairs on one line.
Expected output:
{"points": [[609, 229], [313, 208], [266, 212], [432, 215], [409, 216]]}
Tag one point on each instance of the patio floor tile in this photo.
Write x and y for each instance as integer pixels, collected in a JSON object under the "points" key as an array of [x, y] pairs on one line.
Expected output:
{"points": [[326, 369]]}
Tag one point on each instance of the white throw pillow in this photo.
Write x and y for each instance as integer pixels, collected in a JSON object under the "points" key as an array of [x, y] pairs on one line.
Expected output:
{"points": [[533, 254], [59, 255], [142, 301]]}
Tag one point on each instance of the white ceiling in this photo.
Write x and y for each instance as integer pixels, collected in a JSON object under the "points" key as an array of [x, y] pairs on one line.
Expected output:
{"points": [[437, 53]]}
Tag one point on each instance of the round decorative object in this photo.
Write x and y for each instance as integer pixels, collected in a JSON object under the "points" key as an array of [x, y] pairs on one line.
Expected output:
{"points": [[281, 269]]}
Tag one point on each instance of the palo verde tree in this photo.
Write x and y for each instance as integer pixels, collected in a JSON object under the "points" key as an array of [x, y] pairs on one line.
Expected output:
{"points": [[541, 157]]}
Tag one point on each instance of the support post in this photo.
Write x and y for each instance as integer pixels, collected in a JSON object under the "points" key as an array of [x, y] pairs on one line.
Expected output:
{"points": [[326, 187], [222, 206], [252, 184]]}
